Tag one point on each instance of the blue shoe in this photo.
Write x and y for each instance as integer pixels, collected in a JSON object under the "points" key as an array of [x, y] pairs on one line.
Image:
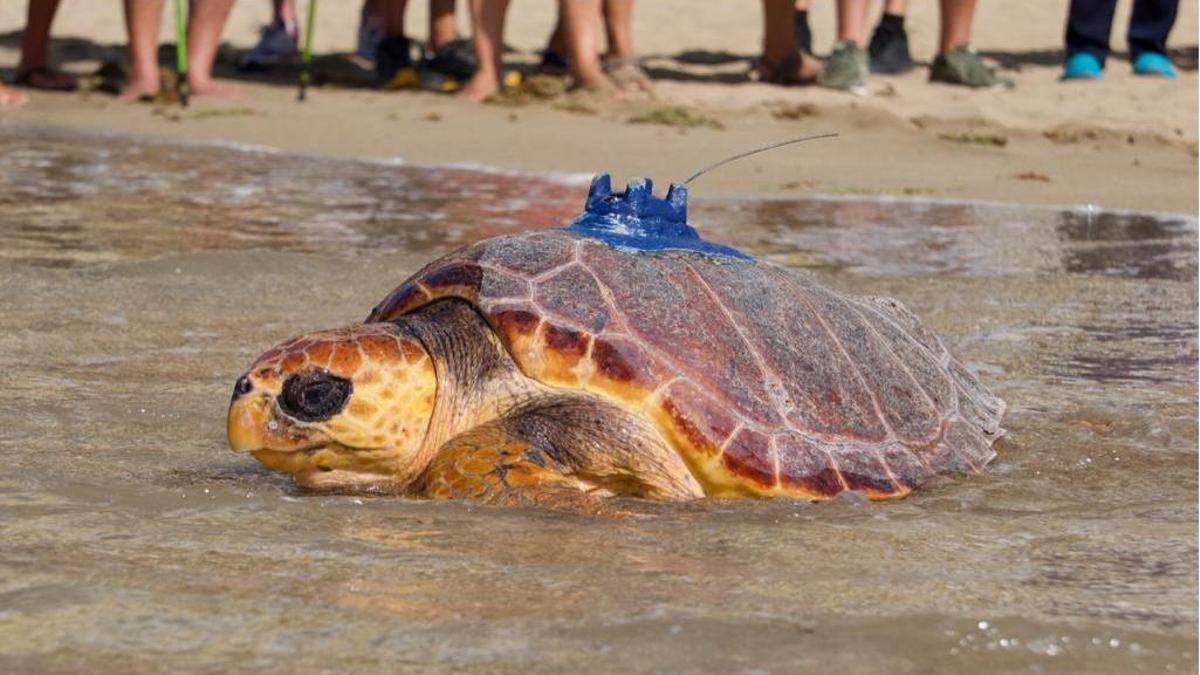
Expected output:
{"points": [[277, 45], [1153, 63], [1082, 66]]}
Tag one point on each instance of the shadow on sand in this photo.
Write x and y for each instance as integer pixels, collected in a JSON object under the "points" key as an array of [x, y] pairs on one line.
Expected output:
{"points": [[693, 65]]}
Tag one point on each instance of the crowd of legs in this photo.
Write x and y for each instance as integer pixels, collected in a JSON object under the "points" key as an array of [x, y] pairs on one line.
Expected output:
{"points": [[474, 67]]}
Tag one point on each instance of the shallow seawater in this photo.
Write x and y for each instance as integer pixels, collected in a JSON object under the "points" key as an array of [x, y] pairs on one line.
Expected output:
{"points": [[138, 279]]}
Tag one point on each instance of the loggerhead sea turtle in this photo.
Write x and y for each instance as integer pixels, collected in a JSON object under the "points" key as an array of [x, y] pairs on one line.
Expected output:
{"points": [[622, 355]]}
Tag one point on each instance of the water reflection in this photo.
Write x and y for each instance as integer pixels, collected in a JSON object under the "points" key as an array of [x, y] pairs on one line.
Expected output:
{"points": [[68, 202]]}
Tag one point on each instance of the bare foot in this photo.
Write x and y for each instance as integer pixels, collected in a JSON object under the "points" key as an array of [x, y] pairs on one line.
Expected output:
{"points": [[482, 86], [596, 81], [627, 73], [11, 98], [140, 87], [592, 78], [797, 68], [214, 88]]}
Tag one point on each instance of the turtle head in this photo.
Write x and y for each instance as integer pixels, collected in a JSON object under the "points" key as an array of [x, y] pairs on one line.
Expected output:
{"points": [[343, 409]]}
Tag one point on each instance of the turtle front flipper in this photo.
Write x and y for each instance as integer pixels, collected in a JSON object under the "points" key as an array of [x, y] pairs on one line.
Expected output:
{"points": [[491, 464]]}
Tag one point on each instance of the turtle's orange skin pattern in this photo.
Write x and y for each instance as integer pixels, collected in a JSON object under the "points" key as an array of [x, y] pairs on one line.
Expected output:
{"points": [[765, 382]]}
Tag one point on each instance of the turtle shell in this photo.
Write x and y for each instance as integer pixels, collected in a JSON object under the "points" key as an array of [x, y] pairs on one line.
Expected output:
{"points": [[764, 381]]}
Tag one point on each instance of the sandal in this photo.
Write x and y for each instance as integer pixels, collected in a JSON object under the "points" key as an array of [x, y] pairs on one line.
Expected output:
{"points": [[797, 68], [46, 79], [627, 73]]}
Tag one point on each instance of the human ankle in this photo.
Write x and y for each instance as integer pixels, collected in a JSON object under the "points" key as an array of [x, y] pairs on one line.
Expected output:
{"points": [[891, 22]]}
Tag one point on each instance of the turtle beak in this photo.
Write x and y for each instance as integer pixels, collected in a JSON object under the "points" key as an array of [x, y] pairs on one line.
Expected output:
{"points": [[247, 419]]}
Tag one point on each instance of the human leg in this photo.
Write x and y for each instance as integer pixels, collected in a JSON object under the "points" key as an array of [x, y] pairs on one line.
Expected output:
{"points": [[1150, 24], [581, 20], [852, 21], [781, 62], [618, 28], [34, 69], [621, 63], [206, 20], [443, 29], [956, 62], [142, 21], [487, 28], [1089, 23], [391, 16], [955, 27]]}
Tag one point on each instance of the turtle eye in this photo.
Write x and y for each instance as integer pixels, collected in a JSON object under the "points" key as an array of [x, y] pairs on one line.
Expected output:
{"points": [[314, 397]]}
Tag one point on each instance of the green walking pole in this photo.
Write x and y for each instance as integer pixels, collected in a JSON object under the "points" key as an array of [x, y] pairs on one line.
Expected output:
{"points": [[181, 68], [306, 53]]}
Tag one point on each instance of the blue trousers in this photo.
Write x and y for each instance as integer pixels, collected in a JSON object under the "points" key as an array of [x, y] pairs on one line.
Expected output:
{"points": [[1090, 22]]}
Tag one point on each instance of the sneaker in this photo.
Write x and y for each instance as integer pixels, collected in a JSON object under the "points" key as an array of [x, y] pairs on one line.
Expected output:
{"points": [[962, 65], [1082, 66], [395, 67], [846, 68], [446, 69], [370, 34], [277, 45], [1153, 63], [888, 50]]}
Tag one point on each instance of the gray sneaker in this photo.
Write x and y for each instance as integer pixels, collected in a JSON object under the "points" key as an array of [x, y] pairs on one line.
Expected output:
{"points": [[963, 66], [276, 45], [846, 68]]}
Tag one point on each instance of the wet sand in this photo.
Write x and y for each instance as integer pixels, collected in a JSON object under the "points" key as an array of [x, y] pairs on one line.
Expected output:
{"points": [[1123, 142], [141, 278]]}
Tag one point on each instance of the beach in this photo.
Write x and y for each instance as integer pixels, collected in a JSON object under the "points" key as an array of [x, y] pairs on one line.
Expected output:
{"points": [[1123, 142], [1047, 236]]}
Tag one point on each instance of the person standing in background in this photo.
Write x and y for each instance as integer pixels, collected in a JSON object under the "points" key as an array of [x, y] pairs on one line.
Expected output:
{"points": [[888, 50], [1089, 24], [782, 61], [205, 21], [620, 63], [34, 70], [955, 63], [580, 23]]}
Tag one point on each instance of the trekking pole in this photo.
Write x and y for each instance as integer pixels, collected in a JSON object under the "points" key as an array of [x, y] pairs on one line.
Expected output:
{"points": [[181, 69], [306, 53]]}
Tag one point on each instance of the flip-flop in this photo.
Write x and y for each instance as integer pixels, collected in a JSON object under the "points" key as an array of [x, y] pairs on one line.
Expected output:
{"points": [[47, 79]]}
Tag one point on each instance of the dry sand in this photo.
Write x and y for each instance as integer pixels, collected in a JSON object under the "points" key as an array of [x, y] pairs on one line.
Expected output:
{"points": [[1123, 142]]}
